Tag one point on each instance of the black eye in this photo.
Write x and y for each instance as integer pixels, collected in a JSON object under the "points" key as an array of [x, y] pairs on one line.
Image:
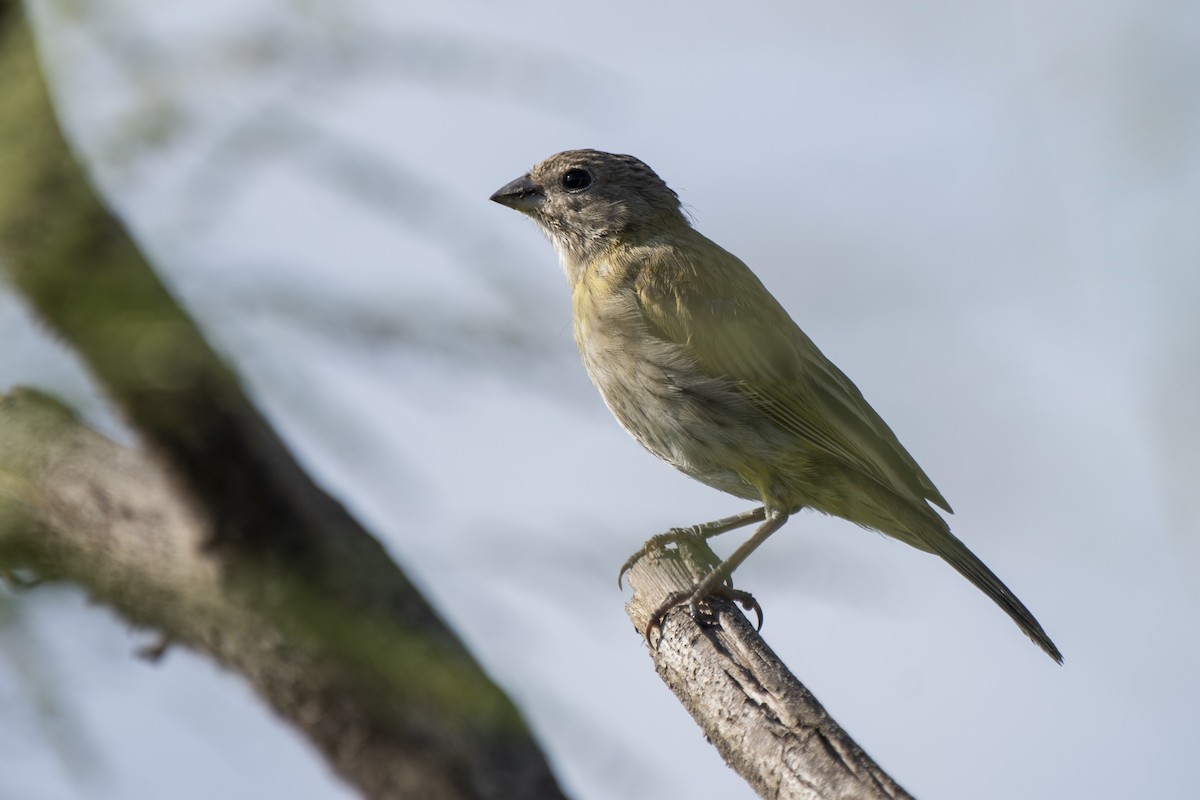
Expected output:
{"points": [[576, 180]]}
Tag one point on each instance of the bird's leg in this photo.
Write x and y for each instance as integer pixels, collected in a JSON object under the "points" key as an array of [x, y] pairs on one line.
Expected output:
{"points": [[705, 530], [716, 581]]}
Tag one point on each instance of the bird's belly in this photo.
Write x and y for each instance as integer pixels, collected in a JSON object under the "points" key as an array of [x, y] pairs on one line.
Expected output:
{"points": [[701, 425]]}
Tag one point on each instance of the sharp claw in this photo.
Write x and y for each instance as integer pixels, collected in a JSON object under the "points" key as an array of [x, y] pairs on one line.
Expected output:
{"points": [[758, 612], [655, 624], [695, 602], [660, 614], [748, 603], [628, 565], [658, 541]]}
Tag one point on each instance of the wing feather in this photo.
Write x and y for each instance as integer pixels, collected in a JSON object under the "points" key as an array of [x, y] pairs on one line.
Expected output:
{"points": [[719, 310]]}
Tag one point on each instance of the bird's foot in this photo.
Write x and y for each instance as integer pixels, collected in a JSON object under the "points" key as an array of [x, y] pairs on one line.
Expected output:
{"points": [[696, 600], [658, 542]]}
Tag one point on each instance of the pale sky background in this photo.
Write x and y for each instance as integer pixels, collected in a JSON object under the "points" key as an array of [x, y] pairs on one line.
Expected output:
{"points": [[987, 214]]}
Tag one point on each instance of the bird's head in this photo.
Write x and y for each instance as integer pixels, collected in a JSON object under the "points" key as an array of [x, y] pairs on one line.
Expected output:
{"points": [[586, 200]]}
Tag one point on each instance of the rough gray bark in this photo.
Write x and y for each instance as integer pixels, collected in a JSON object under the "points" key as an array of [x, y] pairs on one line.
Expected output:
{"points": [[765, 723]]}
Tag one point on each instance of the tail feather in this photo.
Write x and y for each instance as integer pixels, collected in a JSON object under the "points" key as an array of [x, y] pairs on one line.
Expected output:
{"points": [[914, 522], [956, 554]]}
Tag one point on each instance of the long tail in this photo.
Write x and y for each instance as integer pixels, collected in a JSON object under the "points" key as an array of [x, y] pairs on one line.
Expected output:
{"points": [[947, 545]]}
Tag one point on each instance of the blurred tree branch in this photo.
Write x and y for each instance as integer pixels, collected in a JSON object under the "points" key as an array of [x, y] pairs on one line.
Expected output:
{"points": [[212, 533]]}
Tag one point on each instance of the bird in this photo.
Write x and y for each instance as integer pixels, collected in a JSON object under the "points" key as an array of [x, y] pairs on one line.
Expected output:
{"points": [[701, 364]]}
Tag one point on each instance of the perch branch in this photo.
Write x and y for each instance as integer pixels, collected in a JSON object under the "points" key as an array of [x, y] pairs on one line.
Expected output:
{"points": [[766, 725]]}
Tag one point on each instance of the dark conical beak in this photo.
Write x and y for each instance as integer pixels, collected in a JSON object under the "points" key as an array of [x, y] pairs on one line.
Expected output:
{"points": [[522, 194]]}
